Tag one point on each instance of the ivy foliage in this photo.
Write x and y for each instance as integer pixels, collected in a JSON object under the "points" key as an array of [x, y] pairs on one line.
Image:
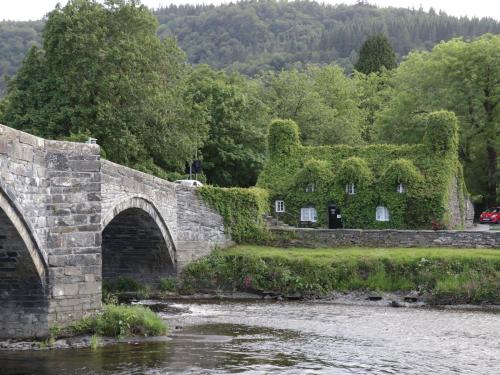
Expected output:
{"points": [[428, 172], [242, 210], [402, 171], [442, 131], [355, 170], [283, 137]]}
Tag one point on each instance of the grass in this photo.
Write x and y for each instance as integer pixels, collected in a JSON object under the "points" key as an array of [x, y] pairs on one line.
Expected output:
{"points": [[346, 253], [446, 275], [121, 321], [95, 342], [167, 284]]}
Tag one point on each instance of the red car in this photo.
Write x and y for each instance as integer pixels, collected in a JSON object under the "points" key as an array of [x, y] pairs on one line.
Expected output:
{"points": [[491, 215]]}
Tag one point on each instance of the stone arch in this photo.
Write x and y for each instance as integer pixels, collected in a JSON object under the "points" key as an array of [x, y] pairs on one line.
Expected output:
{"points": [[136, 242], [23, 275]]}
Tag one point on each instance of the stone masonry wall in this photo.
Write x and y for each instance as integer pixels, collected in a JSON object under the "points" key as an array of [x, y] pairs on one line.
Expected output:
{"points": [[56, 198], [120, 184], [54, 187], [201, 228], [303, 237], [195, 228], [73, 214]]}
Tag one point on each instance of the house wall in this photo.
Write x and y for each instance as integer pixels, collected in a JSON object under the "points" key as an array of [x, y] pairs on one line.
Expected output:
{"points": [[434, 188]]}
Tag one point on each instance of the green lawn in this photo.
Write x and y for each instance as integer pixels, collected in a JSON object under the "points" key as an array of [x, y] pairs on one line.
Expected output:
{"points": [[443, 275], [326, 255]]}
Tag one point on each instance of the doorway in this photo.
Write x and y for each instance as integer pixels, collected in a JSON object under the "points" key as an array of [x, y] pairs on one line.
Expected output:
{"points": [[334, 217]]}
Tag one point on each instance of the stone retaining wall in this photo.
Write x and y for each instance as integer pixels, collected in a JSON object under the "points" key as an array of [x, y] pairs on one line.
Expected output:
{"points": [[303, 237]]}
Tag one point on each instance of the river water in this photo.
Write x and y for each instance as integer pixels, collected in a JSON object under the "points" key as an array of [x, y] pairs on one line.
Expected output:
{"points": [[290, 338]]}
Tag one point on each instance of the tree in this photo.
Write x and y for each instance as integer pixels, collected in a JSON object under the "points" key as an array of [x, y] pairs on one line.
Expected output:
{"points": [[235, 149], [460, 76], [374, 92], [375, 53], [103, 71], [321, 100]]}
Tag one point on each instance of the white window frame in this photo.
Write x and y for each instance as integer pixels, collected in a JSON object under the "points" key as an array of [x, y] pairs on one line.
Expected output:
{"points": [[382, 214], [310, 188], [401, 188], [350, 188], [279, 206], [308, 214]]}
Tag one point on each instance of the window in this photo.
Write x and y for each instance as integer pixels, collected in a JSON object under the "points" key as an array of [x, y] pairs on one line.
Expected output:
{"points": [[310, 188], [382, 214], [350, 188], [308, 214], [279, 206], [401, 189]]}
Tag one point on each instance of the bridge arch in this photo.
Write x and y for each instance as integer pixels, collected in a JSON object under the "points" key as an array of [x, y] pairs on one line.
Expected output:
{"points": [[23, 275], [136, 242]]}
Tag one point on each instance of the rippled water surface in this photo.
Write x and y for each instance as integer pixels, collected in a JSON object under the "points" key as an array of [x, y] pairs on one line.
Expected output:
{"points": [[291, 338]]}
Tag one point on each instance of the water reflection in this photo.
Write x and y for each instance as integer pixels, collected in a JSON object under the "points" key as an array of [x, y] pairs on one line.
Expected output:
{"points": [[291, 338]]}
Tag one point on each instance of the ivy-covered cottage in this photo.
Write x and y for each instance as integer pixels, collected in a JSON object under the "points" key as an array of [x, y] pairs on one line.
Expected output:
{"points": [[374, 186]]}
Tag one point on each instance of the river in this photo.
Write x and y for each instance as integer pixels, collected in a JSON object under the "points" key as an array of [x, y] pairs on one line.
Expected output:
{"points": [[290, 338]]}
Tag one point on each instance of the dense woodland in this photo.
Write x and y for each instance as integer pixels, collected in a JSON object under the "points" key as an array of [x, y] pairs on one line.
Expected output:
{"points": [[255, 36], [103, 71]]}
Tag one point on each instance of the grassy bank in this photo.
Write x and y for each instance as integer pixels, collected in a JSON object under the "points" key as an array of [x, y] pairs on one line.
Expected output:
{"points": [[442, 275]]}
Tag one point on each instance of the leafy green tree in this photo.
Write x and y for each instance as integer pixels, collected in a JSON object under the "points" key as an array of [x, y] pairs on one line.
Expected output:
{"points": [[103, 71], [376, 53], [374, 92], [460, 76], [235, 149], [321, 100]]}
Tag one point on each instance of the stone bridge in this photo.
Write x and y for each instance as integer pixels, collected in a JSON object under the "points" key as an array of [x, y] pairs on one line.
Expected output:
{"points": [[69, 220]]}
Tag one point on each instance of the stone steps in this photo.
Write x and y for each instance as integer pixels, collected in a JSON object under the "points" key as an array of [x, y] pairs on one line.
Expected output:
{"points": [[274, 223]]}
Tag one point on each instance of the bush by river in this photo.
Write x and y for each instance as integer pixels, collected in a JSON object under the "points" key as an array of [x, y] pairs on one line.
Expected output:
{"points": [[121, 320], [440, 276]]}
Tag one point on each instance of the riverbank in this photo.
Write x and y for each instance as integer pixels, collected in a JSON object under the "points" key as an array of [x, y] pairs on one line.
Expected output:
{"points": [[115, 324], [434, 276]]}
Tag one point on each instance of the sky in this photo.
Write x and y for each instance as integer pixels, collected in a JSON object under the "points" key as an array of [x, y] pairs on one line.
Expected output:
{"points": [[22, 10]]}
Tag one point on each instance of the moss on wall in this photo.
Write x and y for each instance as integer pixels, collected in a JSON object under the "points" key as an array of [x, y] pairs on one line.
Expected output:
{"points": [[426, 170]]}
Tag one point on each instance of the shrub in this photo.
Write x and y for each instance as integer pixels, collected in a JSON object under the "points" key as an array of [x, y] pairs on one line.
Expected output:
{"points": [[122, 284], [122, 320], [167, 284]]}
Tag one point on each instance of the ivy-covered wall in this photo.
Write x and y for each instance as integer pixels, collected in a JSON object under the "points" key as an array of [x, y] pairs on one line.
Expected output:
{"points": [[428, 173], [242, 210]]}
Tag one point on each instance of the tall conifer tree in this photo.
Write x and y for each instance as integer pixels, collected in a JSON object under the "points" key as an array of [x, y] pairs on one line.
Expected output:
{"points": [[376, 53]]}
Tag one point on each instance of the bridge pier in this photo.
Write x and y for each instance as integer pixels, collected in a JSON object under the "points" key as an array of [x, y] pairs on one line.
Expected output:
{"points": [[68, 219]]}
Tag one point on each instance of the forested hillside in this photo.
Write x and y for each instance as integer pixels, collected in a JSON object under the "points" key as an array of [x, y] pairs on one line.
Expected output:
{"points": [[101, 70], [254, 36], [15, 40]]}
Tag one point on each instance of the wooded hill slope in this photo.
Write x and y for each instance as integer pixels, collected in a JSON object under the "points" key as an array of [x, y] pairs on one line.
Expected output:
{"points": [[255, 36]]}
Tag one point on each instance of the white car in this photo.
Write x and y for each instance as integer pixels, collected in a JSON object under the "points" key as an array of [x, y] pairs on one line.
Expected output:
{"points": [[191, 183]]}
